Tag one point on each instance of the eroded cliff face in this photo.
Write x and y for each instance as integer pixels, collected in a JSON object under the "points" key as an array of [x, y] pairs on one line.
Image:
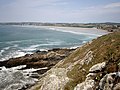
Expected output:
{"points": [[95, 65]]}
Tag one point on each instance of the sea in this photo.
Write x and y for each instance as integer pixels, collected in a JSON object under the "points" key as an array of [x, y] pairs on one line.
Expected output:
{"points": [[16, 41]]}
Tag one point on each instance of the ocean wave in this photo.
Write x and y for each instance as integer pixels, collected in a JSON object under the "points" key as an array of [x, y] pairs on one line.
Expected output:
{"points": [[25, 42], [84, 42], [1, 51], [22, 41], [37, 46], [43, 49], [12, 54], [15, 51], [74, 47], [7, 49], [30, 48], [17, 41]]}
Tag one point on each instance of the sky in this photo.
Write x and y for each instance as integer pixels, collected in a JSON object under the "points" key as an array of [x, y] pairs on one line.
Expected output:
{"points": [[61, 11]]}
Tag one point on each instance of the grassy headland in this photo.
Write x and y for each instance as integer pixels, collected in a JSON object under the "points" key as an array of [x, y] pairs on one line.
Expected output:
{"points": [[88, 67]]}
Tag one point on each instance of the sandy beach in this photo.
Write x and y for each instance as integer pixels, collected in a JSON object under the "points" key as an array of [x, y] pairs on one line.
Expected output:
{"points": [[75, 30]]}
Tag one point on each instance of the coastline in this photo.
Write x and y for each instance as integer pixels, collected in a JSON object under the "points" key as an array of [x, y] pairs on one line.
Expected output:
{"points": [[44, 59], [92, 32], [74, 30]]}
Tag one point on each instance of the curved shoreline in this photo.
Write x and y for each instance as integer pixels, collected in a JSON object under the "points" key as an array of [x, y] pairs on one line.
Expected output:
{"points": [[74, 30]]}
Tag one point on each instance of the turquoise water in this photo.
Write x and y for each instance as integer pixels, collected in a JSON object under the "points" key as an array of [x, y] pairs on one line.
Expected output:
{"points": [[18, 41]]}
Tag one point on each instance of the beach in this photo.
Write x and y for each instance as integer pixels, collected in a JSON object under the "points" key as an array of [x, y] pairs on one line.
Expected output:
{"points": [[75, 30]]}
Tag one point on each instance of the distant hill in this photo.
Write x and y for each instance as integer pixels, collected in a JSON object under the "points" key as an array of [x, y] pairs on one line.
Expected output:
{"points": [[94, 66]]}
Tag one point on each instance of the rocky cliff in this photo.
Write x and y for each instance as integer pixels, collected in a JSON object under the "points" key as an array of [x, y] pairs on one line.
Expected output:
{"points": [[94, 66]]}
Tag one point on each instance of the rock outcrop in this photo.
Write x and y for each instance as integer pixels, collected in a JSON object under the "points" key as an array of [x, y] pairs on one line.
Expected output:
{"points": [[39, 59], [94, 66]]}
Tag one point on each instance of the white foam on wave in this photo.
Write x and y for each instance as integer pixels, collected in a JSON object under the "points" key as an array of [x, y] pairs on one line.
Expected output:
{"points": [[23, 41], [18, 54], [8, 52], [74, 47], [6, 48], [11, 42], [14, 78], [19, 41], [3, 50], [35, 47], [43, 49], [13, 54], [84, 42], [30, 48]]}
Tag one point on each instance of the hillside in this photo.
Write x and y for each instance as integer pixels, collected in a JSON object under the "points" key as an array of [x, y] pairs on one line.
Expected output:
{"points": [[95, 65]]}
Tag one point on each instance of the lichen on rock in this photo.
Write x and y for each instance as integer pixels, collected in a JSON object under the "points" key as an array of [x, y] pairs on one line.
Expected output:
{"points": [[55, 79], [109, 81], [97, 67]]}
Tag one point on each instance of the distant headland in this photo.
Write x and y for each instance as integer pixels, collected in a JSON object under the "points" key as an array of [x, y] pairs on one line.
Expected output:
{"points": [[109, 26]]}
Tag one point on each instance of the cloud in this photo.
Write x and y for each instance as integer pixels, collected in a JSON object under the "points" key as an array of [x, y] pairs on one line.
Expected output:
{"points": [[35, 3], [113, 5], [57, 11], [97, 13]]}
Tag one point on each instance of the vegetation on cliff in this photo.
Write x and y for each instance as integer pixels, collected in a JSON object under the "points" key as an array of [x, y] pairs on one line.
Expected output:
{"points": [[95, 65]]}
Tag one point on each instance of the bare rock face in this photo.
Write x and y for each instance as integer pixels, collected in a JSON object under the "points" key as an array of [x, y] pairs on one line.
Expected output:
{"points": [[110, 81], [89, 83], [96, 80], [97, 67], [54, 79]]}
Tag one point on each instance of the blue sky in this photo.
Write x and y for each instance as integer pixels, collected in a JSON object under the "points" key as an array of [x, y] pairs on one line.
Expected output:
{"points": [[81, 11]]}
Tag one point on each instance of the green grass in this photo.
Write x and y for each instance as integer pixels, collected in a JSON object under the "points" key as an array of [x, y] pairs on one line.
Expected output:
{"points": [[104, 48]]}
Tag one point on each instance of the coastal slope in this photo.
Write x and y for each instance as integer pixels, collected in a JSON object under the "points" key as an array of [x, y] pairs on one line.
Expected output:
{"points": [[95, 65]]}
